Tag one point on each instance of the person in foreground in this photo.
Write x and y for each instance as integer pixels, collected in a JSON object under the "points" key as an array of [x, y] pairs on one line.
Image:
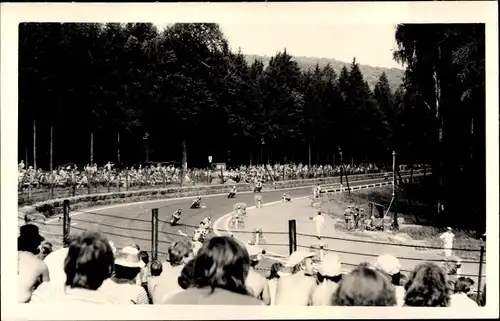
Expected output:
{"points": [[219, 272], [427, 286], [89, 262], [365, 286]]}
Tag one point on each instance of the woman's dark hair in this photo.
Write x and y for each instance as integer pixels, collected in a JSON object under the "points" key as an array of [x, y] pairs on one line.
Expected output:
{"points": [[365, 286], [125, 272], [89, 262], [396, 279], [222, 263], [402, 280], [156, 268], [185, 280], [144, 256], [275, 268], [427, 286]]}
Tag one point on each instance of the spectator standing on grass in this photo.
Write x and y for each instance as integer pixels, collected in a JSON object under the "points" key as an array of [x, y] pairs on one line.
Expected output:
{"points": [[365, 286], [272, 280], [31, 270], [427, 286], [88, 263], [319, 222], [460, 298], [390, 265], [296, 283], [256, 282], [219, 272], [329, 275], [123, 282], [179, 253], [447, 238]]}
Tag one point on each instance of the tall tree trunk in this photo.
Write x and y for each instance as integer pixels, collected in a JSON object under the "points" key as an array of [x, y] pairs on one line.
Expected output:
{"points": [[309, 153], [250, 155], [439, 119], [184, 159], [34, 145]]}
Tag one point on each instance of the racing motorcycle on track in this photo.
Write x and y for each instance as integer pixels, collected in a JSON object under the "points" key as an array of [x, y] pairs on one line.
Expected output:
{"points": [[258, 187], [232, 193], [196, 203], [176, 217]]}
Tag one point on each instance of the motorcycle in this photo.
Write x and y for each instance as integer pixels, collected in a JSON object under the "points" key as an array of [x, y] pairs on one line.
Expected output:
{"points": [[257, 188], [232, 194], [196, 204]]}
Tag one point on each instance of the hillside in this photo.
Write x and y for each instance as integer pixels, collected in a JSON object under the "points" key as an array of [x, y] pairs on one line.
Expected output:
{"points": [[370, 73]]}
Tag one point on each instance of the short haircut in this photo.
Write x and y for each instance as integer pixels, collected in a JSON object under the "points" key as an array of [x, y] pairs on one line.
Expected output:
{"points": [[144, 256], [427, 286], [222, 263], [89, 262], [463, 285], [185, 279], [275, 268], [365, 286], [178, 251], [156, 268]]}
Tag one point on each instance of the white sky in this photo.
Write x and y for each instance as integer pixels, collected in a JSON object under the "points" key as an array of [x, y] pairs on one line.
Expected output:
{"points": [[371, 44]]}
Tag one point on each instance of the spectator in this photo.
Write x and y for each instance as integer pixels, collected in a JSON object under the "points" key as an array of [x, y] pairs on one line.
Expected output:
{"points": [[46, 249], [31, 270], [296, 283], [447, 238], [272, 280], [179, 254], [128, 266], [256, 282], [329, 275], [219, 272], [185, 280], [427, 286], [89, 262], [143, 279], [154, 279], [390, 265], [452, 268], [460, 298], [55, 264], [365, 286]]}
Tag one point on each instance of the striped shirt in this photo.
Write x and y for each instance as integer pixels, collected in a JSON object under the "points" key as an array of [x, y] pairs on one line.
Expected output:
{"points": [[129, 291]]}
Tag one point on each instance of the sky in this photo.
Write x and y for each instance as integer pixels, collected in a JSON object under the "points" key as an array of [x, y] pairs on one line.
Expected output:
{"points": [[371, 44]]}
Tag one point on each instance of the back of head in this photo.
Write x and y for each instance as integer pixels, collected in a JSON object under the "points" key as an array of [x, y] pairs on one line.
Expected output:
{"points": [[365, 286], [427, 286], [464, 285], [222, 263], [144, 256], [89, 261], [156, 268], [178, 252], [275, 268], [185, 279], [29, 238]]}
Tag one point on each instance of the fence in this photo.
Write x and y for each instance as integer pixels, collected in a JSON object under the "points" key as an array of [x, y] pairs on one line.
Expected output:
{"points": [[40, 186], [150, 235]]}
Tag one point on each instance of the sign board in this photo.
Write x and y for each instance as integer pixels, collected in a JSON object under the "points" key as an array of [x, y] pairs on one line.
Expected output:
{"points": [[220, 166], [209, 159]]}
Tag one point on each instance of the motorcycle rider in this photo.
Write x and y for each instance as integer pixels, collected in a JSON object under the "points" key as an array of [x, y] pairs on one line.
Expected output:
{"points": [[176, 216], [258, 186], [205, 224], [232, 193], [286, 198], [196, 202]]}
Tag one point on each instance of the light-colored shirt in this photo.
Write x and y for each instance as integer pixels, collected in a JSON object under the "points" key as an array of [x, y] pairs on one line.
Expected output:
{"points": [[30, 272], [128, 291], [168, 283], [273, 283], [319, 221], [295, 289], [55, 264], [323, 293], [447, 238], [400, 295], [204, 296], [462, 301], [48, 293]]}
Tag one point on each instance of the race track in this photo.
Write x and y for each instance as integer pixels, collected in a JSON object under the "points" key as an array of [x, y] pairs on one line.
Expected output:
{"points": [[130, 223]]}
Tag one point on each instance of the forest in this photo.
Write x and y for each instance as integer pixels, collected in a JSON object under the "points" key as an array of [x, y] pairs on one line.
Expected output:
{"points": [[182, 93]]}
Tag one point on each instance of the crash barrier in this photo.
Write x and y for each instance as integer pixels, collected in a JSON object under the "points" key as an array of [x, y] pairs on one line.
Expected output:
{"points": [[41, 199]]}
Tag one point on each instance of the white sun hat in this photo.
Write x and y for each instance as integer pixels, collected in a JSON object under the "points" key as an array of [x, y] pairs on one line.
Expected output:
{"points": [[129, 257], [388, 263], [330, 266], [297, 257]]}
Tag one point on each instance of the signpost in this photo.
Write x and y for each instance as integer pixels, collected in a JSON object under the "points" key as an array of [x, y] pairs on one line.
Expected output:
{"points": [[208, 169]]}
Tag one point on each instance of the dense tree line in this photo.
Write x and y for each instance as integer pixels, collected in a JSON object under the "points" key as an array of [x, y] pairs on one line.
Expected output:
{"points": [[181, 94]]}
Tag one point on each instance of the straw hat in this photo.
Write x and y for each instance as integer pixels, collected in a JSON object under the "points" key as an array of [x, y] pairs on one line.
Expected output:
{"points": [[330, 266], [388, 263], [129, 257], [297, 257]]}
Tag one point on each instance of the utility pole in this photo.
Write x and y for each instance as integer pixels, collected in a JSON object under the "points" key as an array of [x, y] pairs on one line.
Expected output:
{"points": [[34, 145]]}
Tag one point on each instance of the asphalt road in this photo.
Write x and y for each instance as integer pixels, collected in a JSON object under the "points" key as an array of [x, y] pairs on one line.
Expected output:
{"points": [[131, 223]]}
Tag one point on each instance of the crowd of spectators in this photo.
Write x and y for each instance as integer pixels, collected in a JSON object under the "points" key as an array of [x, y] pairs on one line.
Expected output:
{"points": [[161, 175], [90, 269]]}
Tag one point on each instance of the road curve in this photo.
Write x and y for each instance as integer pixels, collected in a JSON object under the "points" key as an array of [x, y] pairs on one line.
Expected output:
{"points": [[131, 223]]}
